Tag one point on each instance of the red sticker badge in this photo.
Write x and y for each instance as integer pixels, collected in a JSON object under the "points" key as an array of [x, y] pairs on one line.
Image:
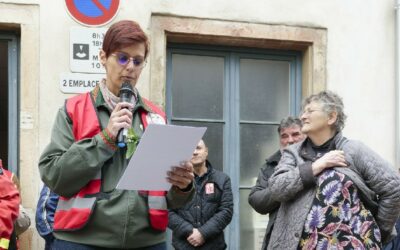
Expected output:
{"points": [[209, 188]]}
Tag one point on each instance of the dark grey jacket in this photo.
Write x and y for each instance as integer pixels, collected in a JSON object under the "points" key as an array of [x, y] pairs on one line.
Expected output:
{"points": [[293, 184], [209, 212], [260, 198]]}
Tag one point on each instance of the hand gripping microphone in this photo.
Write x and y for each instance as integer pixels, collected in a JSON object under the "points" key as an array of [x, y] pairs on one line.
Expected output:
{"points": [[125, 94]]}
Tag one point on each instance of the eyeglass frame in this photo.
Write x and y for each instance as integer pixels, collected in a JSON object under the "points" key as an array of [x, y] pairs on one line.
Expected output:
{"points": [[309, 111], [130, 59]]}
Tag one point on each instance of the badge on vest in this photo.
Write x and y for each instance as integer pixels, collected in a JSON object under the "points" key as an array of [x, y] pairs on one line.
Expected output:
{"points": [[209, 188], [153, 118]]}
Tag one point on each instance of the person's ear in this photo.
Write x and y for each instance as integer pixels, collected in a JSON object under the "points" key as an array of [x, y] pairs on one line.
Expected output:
{"points": [[332, 118], [103, 58]]}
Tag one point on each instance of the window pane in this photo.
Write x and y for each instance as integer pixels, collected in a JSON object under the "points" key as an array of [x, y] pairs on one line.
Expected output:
{"points": [[213, 139], [264, 89], [252, 224], [197, 86], [257, 143]]}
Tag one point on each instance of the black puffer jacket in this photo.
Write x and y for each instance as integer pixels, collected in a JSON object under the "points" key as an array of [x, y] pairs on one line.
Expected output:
{"points": [[260, 197], [210, 212]]}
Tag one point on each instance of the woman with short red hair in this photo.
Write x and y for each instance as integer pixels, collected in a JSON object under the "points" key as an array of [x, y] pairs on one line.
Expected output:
{"points": [[84, 161]]}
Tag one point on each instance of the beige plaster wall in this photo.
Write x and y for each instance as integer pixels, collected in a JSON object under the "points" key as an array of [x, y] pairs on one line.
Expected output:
{"points": [[360, 52], [359, 61]]}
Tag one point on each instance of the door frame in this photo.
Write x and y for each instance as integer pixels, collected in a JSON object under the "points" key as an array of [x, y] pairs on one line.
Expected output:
{"points": [[13, 100]]}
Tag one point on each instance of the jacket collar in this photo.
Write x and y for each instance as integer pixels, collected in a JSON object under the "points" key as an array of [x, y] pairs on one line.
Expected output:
{"points": [[210, 169], [274, 159], [308, 153], [100, 102]]}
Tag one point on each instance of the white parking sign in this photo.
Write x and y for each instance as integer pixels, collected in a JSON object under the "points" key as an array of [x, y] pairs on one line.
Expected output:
{"points": [[85, 44], [79, 83]]}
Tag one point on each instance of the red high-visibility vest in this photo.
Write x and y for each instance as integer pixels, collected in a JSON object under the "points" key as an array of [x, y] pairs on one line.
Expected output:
{"points": [[9, 208], [73, 213]]}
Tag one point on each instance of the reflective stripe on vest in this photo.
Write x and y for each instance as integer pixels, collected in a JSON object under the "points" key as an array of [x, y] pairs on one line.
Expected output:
{"points": [[158, 210], [4, 243], [157, 202], [76, 202], [73, 213]]}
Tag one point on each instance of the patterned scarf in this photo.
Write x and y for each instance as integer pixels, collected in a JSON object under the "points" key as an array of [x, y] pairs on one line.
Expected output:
{"points": [[111, 99]]}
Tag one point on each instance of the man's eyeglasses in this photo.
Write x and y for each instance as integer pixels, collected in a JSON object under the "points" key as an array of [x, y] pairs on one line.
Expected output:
{"points": [[124, 59]]}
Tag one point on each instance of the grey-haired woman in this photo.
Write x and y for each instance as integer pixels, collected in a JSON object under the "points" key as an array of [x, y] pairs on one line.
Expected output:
{"points": [[335, 193]]}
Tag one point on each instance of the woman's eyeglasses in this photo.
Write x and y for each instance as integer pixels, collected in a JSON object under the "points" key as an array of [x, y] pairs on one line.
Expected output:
{"points": [[124, 59], [309, 111]]}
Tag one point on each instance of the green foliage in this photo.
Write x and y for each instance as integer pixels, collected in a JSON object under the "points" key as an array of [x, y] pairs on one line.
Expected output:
{"points": [[132, 141]]}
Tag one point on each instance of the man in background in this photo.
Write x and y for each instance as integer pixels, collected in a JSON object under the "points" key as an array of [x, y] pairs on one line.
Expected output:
{"points": [[289, 131], [200, 224]]}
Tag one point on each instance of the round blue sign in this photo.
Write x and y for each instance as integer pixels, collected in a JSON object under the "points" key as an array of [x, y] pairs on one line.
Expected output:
{"points": [[92, 12]]}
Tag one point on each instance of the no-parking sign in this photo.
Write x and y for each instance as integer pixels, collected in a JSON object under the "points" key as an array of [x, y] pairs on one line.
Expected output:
{"points": [[92, 12]]}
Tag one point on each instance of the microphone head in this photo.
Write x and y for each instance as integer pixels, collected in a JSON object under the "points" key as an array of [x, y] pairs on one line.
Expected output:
{"points": [[126, 88], [126, 92]]}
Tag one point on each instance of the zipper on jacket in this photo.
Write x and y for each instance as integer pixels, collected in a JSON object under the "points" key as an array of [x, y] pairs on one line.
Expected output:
{"points": [[44, 217]]}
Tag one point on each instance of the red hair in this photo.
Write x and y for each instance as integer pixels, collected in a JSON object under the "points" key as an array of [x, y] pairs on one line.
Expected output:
{"points": [[123, 34]]}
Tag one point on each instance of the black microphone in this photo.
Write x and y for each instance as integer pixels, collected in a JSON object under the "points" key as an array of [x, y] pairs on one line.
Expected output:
{"points": [[125, 94]]}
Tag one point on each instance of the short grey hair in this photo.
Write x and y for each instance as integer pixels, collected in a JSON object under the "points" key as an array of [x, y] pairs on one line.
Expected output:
{"points": [[288, 122], [331, 102]]}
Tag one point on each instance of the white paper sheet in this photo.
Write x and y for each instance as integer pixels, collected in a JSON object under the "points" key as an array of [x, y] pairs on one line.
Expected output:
{"points": [[160, 147]]}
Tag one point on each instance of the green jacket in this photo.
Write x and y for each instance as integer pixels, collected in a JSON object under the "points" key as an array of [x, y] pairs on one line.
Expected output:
{"points": [[121, 219]]}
